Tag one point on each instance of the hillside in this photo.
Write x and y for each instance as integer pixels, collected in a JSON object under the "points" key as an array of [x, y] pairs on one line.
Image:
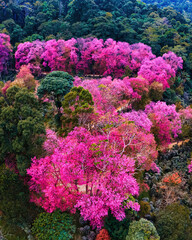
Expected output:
{"points": [[182, 6], [95, 120]]}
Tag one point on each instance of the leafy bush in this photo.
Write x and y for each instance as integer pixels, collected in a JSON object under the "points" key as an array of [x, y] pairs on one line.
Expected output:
{"points": [[142, 230], [56, 225], [11, 232], [173, 223], [144, 208], [14, 200], [117, 229]]}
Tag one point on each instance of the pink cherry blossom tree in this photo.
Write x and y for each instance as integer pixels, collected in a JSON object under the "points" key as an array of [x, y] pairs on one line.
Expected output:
{"points": [[5, 50], [166, 121], [86, 172]]}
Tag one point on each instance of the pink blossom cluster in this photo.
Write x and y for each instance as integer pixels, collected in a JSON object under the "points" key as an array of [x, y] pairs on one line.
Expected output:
{"points": [[165, 119], [86, 172], [110, 95], [186, 114], [94, 56], [190, 167], [159, 70], [140, 118], [5, 52]]}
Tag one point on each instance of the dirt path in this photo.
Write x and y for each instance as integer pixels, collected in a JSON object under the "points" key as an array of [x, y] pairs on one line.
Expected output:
{"points": [[178, 143]]}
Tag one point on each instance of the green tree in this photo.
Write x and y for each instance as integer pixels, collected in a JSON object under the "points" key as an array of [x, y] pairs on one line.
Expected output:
{"points": [[15, 202], [77, 13], [174, 223], [54, 225], [143, 230], [21, 128], [54, 87], [77, 107]]}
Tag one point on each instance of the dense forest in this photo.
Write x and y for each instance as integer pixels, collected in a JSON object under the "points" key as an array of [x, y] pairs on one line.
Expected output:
{"points": [[182, 6], [95, 120]]}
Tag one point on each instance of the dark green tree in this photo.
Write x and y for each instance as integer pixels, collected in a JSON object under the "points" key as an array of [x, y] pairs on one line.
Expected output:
{"points": [[54, 225], [15, 205], [118, 230], [174, 223], [22, 129], [77, 13], [54, 87]]}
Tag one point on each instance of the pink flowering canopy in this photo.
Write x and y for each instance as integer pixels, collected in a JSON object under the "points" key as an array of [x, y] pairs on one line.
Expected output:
{"points": [[166, 121], [94, 56], [110, 95], [60, 55], [158, 70], [5, 50], [29, 53], [85, 172], [140, 118]]}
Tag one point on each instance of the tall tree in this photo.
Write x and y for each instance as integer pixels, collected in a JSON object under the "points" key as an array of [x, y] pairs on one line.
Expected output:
{"points": [[21, 128]]}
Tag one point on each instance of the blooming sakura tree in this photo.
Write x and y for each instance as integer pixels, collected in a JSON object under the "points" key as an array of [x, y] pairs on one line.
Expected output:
{"points": [[140, 118], [190, 167], [60, 55], [89, 49], [166, 121], [134, 142], [173, 60], [94, 56], [5, 50], [158, 70], [186, 119], [109, 95], [29, 53], [85, 172], [52, 141], [24, 78], [139, 53]]}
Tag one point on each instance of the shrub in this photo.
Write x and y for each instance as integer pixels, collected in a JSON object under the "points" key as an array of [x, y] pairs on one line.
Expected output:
{"points": [[14, 200], [144, 208], [173, 223], [54, 225], [117, 229], [142, 230], [103, 235], [11, 232]]}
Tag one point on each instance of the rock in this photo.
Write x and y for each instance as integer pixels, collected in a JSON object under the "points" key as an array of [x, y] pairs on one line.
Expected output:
{"points": [[86, 230], [82, 221], [84, 238], [92, 235], [145, 199]]}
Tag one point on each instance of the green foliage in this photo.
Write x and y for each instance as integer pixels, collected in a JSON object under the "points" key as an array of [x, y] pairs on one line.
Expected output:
{"points": [[142, 230], [117, 229], [77, 13], [15, 200], [32, 38], [21, 128], [173, 223], [169, 96], [55, 86], [54, 226], [184, 6], [186, 130], [144, 208], [77, 107], [12, 232]]}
